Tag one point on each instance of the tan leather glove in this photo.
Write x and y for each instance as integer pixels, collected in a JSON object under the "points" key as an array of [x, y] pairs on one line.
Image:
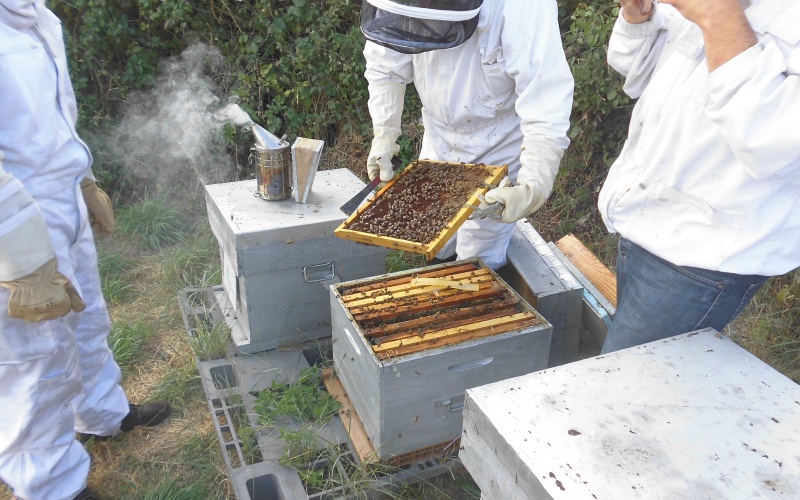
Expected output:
{"points": [[42, 295], [101, 213]]}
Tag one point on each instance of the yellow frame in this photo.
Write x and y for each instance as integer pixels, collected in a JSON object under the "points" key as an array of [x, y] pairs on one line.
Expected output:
{"points": [[432, 248]]}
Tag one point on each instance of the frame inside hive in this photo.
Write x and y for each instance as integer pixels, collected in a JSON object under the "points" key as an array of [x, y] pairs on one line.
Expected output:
{"points": [[422, 207], [434, 307]]}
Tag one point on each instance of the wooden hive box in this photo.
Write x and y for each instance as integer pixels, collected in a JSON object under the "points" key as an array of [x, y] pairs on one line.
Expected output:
{"points": [[694, 416], [278, 257], [407, 345], [422, 207]]}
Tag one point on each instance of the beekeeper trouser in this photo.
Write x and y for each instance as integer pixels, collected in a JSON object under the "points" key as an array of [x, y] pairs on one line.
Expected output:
{"points": [[58, 376]]}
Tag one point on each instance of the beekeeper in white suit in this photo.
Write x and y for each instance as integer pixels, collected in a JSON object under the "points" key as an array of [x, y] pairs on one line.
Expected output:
{"points": [[495, 88], [57, 374]]}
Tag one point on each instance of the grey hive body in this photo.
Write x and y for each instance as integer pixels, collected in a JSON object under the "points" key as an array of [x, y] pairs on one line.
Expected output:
{"points": [[278, 258], [414, 401]]}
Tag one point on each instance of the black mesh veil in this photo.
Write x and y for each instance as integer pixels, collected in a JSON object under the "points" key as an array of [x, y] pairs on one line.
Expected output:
{"points": [[415, 26]]}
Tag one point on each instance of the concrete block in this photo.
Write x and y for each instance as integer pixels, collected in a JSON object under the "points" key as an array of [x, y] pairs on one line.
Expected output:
{"points": [[692, 416]]}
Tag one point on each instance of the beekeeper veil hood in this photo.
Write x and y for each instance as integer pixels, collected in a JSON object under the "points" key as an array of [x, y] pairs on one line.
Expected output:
{"points": [[415, 26], [20, 14]]}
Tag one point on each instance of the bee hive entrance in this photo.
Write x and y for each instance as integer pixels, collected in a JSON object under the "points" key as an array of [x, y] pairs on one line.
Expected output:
{"points": [[422, 207], [440, 307]]}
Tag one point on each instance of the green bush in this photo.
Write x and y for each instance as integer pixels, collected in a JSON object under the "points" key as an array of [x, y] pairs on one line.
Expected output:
{"points": [[296, 65]]}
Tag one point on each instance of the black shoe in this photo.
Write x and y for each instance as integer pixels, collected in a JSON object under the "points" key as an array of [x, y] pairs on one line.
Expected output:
{"points": [[86, 494], [85, 438], [148, 414]]}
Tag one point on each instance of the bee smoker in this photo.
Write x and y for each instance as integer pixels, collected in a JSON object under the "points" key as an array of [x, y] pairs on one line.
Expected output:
{"points": [[272, 159]]}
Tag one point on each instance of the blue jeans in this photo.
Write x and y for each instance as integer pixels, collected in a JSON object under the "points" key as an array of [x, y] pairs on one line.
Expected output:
{"points": [[657, 299]]}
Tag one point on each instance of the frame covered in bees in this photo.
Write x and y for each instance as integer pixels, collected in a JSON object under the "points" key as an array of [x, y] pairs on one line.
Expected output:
{"points": [[422, 207]]}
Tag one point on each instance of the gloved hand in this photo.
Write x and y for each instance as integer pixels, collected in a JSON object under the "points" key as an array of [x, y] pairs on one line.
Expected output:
{"points": [[539, 162], [384, 147], [520, 201], [386, 108], [44, 294], [101, 213]]}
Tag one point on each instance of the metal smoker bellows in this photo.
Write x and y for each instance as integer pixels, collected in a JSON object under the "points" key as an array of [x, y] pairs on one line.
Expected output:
{"points": [[273, 163]]}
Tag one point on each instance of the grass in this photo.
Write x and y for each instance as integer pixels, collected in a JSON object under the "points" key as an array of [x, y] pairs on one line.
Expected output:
{"points": [[398, 260], [154, 223], [770, 326]]}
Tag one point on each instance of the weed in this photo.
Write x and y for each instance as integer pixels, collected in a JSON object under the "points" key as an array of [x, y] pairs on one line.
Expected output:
{"points": [[303, 400], [398, 260], [113, 267], [153, 223], [171, 489], [210, 340], [194, 262], [301, 446], [127, 340], [770, 326]]}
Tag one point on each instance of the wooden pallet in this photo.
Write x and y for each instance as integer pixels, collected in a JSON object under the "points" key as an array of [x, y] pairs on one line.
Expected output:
{"points": [[429, 249]]}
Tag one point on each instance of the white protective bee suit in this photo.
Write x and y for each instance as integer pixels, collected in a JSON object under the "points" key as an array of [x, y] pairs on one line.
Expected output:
{"points": [[504, 96], [708, 176], [57, 376]]}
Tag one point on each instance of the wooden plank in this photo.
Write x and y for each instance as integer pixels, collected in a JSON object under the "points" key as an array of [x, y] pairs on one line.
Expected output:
{"points": [[401, 292], [588, 263], [381, 241], [417, 324], [445, 326], [388, 287], [456, 339], [347, 414], [490, 324], [362, 287], [436, 451], [377, 311]]}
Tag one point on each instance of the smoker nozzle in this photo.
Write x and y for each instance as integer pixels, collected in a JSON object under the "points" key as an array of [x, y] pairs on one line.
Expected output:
{"points": [[267, 139]]}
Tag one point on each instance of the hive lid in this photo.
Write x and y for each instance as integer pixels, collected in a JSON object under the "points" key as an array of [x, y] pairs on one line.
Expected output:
{"points": [[421, 208], [236, 215]]}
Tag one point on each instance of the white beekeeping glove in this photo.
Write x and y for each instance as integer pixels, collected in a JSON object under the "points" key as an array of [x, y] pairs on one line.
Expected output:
{"points": [[386, 109], [539, 161]]}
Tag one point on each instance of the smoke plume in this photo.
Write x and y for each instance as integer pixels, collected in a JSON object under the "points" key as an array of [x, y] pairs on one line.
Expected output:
{"points": [[170, 138]]}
